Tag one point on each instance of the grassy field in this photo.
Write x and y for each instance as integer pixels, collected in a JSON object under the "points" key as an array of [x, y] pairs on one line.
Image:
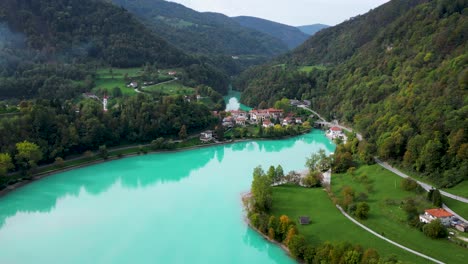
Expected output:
{"points": [[388, 218], [106, 80], [460, 189], [170, 88], [311, 68], [328, 224], [457, 206]]}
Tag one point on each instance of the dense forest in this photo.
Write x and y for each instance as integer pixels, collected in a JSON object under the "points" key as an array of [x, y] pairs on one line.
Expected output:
{"points": [[205, 33], [87, 29], [397, 74], [62, 129], [290, 35], [52, 48]]}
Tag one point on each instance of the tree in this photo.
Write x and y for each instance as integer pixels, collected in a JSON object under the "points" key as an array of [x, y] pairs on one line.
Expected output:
{"points": [[292, 231], [437, 198], [309, 254], [370, 256], [362, 210], [261, 190], [435, 229], [59, 162], [6, 164], [183, 132], [116, 92], [219, 132], [103, 153], [409, 184], [318, 161], [283, 227], [28, 155], [296, 246], [279, 174], [312, 179]]}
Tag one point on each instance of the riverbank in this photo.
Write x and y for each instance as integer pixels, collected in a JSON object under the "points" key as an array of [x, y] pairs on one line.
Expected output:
{"points": [[116, 154]]}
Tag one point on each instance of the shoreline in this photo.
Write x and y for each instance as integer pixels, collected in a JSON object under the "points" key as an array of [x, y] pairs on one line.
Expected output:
{"points": [[38, 176]]}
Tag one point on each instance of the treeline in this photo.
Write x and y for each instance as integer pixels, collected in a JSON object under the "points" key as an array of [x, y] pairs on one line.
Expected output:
{"points": [[63, 129], [403, 84], [284, 230]]}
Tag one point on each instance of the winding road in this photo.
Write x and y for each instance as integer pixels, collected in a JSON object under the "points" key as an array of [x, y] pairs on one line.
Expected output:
{"points": [[426, 186], [386, 239]]}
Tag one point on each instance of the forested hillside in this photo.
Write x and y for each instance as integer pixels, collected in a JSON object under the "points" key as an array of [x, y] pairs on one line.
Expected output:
{"points": [[87, 29], [398, 74], [51, 48], [205, 33], [290, 35]]}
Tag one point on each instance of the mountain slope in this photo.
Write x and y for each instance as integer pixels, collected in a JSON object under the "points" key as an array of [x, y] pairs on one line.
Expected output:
{"points": [[291, 36], [206, 33], [398, 74], [312, 29], [87, 29]]}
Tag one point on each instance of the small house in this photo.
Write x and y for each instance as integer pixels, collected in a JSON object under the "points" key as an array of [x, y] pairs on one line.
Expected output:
{"points": [[433, 214], [133, 85], [304, 220], [206, 136], [298, 120]]}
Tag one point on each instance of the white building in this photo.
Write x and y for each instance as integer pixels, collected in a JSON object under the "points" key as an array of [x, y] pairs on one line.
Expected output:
{"points": [[433, 214]]}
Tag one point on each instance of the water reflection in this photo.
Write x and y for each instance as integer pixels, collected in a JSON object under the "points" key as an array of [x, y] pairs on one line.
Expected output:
{"points": [[158, 193]]}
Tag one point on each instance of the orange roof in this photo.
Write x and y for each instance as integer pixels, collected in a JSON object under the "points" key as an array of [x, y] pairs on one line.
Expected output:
{"points": [[335, 129], [439, 213]]}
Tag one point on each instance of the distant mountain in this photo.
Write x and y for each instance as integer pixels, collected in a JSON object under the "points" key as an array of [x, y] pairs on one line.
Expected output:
{"points": [[312, 29], [290, 35], [397, 74], [87, 29], [202, 33]]}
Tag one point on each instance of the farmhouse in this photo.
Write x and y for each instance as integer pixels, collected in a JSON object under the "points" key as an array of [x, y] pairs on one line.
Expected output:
{"points": [[206, 136], [433, 214]]}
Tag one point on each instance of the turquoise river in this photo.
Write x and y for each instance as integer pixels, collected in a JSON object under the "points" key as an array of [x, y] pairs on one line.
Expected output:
{"points": [[178, 207]]}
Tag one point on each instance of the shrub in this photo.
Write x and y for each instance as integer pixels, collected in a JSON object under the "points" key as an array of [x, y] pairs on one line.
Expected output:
{"points": [[435, 229], [297, 246], [362, 210], [59, 162]]}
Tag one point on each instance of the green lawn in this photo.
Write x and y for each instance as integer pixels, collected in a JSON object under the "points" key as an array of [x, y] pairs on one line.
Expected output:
{"points": [[457, 206], [388, 218], [460, 189], [328, 224], [311, 68], [106, 80], [170, 88]]}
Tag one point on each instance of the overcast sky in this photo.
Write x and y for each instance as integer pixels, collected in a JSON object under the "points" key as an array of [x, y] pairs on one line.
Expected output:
{"points": [[291, 12]]}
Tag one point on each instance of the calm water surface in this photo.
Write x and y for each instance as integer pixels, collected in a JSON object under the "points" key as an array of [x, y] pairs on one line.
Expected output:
{"points": [[182, 207]]}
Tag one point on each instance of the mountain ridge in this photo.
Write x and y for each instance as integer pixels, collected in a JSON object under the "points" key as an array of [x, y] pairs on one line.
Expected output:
{"points": [[290, 35]]}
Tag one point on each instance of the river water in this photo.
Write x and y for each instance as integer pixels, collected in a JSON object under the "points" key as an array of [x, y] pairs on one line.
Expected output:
{"points": [[180, 207]]}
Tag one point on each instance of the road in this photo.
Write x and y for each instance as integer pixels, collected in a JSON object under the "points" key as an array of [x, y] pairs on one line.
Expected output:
{"points": [[386, 239], [325, 122], [426, 186]]}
